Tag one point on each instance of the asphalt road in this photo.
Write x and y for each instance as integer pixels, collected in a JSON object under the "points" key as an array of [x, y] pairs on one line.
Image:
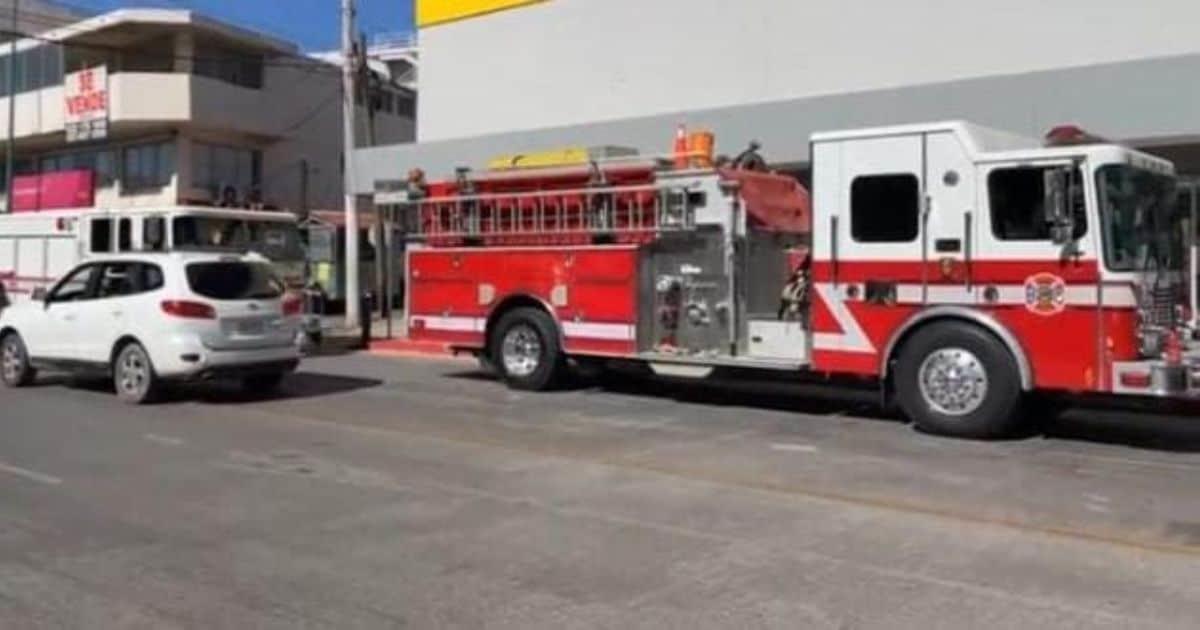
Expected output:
{"points": [[379, 493]]}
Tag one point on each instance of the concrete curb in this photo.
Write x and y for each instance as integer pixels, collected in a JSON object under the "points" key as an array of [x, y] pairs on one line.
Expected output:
{"points": [[407, 348]]}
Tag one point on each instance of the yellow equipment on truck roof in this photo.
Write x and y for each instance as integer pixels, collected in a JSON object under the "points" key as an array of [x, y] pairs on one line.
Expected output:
{"points": [[563, 156]]}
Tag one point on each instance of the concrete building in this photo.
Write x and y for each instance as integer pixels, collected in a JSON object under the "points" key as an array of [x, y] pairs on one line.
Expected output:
{"points": [[192, 110], [35, 16], [504, 76]]}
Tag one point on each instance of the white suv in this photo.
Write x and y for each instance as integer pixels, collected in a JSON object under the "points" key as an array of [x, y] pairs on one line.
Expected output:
{"points": [[146, 319]]}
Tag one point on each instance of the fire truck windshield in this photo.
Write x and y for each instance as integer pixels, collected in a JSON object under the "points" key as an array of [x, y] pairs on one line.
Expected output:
{"points": [[1143, 228], [279, 241]]}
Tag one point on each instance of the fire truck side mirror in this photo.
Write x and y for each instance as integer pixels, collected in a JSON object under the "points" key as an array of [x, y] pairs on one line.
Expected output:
{"points": [[1056, 205]]}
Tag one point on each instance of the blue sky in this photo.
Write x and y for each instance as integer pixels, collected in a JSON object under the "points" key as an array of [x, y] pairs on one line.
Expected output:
{"points": [[311, 23]]}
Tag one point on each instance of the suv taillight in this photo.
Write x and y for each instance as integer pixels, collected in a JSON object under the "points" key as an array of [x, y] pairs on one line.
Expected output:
{"points": [[188, 310]]}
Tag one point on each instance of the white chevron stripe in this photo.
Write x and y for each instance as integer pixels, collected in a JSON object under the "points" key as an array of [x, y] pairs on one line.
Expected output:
{"points": [[852, 338]]}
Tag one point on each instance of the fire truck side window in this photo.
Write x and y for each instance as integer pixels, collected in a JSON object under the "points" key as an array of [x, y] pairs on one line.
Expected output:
{"points": [[101, 236], [885, 208], [1017, 198]]}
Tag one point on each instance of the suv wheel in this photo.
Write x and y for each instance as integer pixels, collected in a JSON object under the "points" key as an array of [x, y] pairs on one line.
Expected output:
{"points": [[958, 380], [14, 362], [133, 375], [526, 351]]}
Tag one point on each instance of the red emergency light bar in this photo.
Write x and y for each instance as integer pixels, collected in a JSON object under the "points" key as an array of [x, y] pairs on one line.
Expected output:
{"points": [[1071, 135]]}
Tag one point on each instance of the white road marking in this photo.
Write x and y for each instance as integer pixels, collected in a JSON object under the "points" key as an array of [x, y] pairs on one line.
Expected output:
{"points": [[30, 474], [1126, 461], [795, 448], [165, 440]]}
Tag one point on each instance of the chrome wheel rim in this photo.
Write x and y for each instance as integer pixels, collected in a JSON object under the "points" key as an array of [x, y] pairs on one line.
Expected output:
{"points": [[133, 373], [521, 351], [13, 360], [953, 381]]}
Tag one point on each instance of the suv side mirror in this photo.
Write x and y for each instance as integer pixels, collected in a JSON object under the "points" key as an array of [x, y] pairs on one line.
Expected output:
{"points": [[39, 294], [1057, 190]]}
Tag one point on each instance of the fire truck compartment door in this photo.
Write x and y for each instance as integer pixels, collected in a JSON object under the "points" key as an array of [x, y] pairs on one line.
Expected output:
{"points": [[778, 340], [952, 223]]}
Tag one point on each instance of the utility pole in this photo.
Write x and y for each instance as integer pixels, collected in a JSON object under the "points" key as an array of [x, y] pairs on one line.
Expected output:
{"points": [[304, 188], [9, 162], [349, 74]]}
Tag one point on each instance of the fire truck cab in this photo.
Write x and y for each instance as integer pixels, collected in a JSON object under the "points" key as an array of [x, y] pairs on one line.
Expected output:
{"points": [[960, 267]]}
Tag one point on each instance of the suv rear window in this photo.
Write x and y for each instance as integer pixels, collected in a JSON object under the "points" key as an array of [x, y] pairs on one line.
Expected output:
{"points": [[234, 281]]}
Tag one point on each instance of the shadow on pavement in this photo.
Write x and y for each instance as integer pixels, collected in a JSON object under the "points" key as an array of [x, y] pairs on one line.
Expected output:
{"points": [[814, 399], [1148, 427], [1145, 428], [300, 385]]}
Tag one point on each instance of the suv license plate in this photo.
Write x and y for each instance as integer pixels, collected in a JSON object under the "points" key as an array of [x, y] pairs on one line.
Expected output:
{"points": [[252, 327]]}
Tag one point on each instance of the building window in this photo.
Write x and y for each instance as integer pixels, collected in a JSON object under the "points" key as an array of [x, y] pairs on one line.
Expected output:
{"points": [[102, 163], [220, 168], [147, 166], [157, 55], [383, 101], [241, 69], [36, 68], [885, 208], [1018, 203], [406, 105]]}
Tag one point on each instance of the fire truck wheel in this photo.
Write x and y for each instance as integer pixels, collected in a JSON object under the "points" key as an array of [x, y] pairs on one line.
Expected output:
{"points": [[14, 362], [956, 379], [133, 375], [526, 351]]}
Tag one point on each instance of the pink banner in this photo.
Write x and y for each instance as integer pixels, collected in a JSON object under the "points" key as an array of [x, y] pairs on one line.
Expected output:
{"points": [[53, 191]]}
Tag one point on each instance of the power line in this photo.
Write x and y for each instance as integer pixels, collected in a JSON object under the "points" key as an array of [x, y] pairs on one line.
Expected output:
{"points": [[333, 98]]}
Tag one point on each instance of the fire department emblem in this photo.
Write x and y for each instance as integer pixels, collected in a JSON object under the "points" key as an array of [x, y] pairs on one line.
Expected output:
{"points": [[1045, 294]]}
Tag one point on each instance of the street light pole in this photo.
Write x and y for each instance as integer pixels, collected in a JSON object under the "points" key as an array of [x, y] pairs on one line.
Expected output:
{"points": [[349, 72], [12, 110]]}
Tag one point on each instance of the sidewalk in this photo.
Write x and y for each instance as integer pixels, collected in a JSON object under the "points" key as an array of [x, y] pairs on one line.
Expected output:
{"points": [[338, 335]]}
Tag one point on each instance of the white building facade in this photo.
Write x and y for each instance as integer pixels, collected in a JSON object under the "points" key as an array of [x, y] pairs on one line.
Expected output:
{"points": [[502, 76], [194, 111]]}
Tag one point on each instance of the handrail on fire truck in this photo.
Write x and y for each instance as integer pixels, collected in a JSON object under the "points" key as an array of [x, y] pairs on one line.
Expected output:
{"points": [[645, 209]]}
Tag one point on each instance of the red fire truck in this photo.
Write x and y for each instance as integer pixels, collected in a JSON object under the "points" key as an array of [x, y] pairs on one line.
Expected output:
{"points": [[960, 267]]}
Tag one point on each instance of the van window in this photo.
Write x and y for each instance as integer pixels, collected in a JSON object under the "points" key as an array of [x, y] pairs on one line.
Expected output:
{"points": [[101, 236], [234, 280], [885, 208], [124, 235], [154, 234]]}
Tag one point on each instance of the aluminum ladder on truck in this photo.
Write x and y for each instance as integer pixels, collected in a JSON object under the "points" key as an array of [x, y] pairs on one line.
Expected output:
{"points": [[576, 216]]}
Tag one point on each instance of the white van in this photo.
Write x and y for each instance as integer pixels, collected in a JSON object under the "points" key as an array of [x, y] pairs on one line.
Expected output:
{"points": [[36, 248]]}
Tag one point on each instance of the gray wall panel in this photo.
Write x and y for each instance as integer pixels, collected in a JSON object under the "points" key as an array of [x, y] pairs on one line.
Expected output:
{"points": [[1148, 102]]}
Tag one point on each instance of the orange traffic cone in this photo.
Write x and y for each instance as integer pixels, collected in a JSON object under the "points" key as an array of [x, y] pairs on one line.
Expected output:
{"points": [[682, 159]]}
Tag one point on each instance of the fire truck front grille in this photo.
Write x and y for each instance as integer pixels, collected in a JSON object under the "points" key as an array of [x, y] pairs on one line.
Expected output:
{"points": [[1159, 307]]}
